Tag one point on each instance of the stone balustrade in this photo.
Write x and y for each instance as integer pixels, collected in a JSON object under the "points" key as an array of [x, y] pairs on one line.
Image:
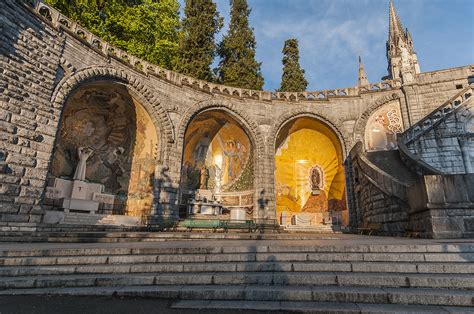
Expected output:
{"points": [[51, 15], [430, 121], [411, 153]]}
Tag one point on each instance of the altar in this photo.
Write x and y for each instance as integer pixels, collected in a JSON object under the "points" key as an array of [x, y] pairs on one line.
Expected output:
{"points": [[77, 194]]}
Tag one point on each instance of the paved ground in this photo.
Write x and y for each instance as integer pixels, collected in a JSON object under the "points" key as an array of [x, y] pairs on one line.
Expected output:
{"points": [[95, 305]]}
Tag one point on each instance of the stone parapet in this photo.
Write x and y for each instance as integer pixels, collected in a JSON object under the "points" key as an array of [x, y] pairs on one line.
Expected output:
{"points": [[442, 206]]}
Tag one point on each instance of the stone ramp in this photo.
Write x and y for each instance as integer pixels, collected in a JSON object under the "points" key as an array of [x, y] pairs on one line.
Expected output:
{"points": [[361, 274]]}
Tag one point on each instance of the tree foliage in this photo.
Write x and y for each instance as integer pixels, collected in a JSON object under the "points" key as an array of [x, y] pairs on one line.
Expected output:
{"points": [[238, 66], [197, 48], [145, 28], [292, 79]]}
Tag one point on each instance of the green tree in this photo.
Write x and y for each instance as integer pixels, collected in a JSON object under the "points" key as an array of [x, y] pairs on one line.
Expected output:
{"points": [[148, 29], [238, 66], [292, 79], [197, 48]]}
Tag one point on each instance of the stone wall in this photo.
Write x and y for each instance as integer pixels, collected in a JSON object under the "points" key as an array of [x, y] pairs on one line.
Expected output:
{"points": [[443, 206], [378, 208], [45, 57], [30, 52], [380, 199], [431, 89], [448, 144]]}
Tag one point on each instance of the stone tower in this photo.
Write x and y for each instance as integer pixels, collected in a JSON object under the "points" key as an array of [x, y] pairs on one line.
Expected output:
{"points": [[402, 60], [362, 78]]}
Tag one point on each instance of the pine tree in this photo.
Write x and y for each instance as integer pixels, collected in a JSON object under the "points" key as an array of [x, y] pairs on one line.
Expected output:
{"points": [[197, 48], [292, 79], [238, 66], [148, 29]]}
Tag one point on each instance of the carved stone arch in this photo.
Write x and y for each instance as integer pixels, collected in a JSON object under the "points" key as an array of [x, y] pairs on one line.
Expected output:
{"points": [[136, 88], [359, 128], [240, 116], [295, 114]]}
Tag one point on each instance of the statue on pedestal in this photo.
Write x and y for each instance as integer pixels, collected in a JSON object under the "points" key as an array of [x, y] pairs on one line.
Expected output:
{"points": [[316, 180], [83, 153], [204, 177]]}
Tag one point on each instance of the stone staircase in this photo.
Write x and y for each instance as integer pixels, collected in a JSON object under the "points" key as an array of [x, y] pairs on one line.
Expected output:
{"points": [[391, 163], [368, 278], [407, 139]]}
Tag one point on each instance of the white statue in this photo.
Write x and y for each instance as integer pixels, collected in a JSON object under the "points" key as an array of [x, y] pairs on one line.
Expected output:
{"points": [[84, 154]]}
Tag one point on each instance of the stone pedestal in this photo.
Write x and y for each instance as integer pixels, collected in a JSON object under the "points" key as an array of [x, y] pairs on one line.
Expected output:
{"points": [[78, 204], [79, 195], [237, 214], [303, 220], [79, 190], [207, 209], [204, 208], [205, 196]]}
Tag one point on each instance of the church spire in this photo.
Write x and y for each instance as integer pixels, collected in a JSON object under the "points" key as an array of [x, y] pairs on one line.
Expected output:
{"points": [[402, 59], [395, 29], [362, 80]]}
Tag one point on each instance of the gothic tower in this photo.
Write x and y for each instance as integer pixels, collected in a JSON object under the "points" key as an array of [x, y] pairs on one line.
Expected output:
{"points": [[402, 60], [362, 78]]}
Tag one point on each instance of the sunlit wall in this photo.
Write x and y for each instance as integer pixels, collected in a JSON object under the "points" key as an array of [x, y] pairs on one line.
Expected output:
{"points": [[303, 147]]}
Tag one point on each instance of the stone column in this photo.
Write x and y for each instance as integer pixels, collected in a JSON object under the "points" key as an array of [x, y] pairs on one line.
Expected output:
{"points": [[411, 110], [264, 180], [165, 205]]}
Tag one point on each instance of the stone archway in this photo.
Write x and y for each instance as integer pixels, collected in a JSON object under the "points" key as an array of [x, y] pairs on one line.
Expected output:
{"points": [[252, 131], [309, 173], [104, 118], [218, 164], [363, 121], [135, 86]]}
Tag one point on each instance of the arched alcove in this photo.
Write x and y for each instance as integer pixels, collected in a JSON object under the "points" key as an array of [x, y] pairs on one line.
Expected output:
{"points": [[217, 164], [309, 174], [122, 140], [382, 128]]}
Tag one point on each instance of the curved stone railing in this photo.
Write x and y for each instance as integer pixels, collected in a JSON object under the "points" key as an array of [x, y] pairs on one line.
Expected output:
{"points": [[58, 20], [416, 131]]}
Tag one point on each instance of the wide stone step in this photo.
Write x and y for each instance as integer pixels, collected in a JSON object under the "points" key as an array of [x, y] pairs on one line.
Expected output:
{"points": [[236, 257], [314, 307], [396, 296], [451, 281], [362, 267], [217, 247]]}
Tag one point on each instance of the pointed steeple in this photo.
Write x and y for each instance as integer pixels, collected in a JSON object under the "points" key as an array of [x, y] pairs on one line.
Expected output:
{"points": [[362, 81], [402, 60], [395, 29]]}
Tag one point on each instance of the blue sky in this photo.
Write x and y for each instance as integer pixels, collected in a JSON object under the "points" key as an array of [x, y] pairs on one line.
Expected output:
{"points": [[333, 33]]}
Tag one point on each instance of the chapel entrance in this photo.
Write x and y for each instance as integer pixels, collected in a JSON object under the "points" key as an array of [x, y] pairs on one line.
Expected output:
{"points": [[217, 168], [309, 175], [105, 154]]}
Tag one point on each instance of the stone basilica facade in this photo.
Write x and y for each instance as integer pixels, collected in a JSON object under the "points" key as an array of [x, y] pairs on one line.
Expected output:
{"points": [[88, 130]]}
